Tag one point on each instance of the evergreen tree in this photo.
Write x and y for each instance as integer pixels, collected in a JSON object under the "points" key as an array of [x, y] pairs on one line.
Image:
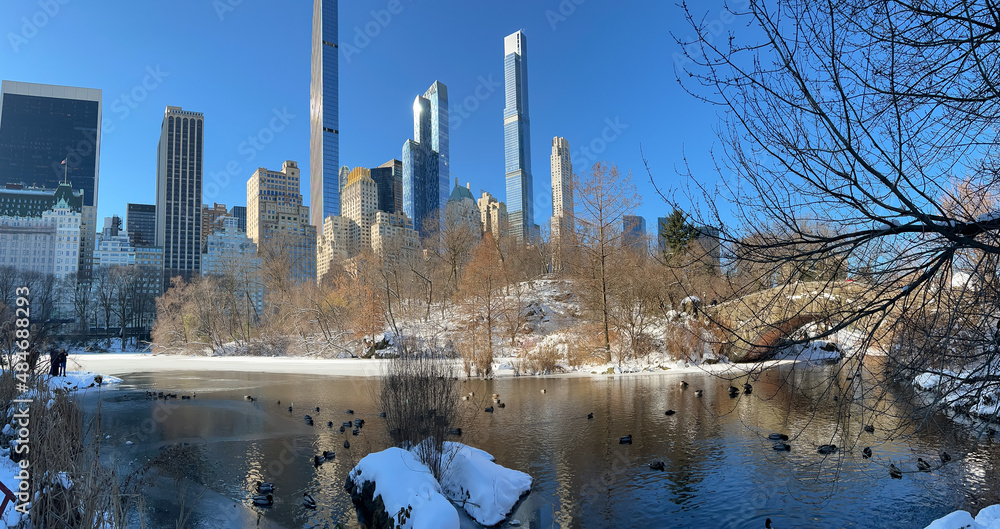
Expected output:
{"points": [[677, 234]]}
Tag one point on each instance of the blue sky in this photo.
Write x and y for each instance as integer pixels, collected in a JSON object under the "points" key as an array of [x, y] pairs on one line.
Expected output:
{"points": [[600, 74]]}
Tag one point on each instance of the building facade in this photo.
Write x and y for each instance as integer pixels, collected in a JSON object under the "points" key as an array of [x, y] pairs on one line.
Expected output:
{"points": [[425, 160], [178, 192], [276, 215], [42, 126], [40, 229], [392, 235], [633, 231], [389, 178], [324, 115], [517, 137], [562, 188], [240, 214], [211, 220], [493, 215], [230, 254], [140, 222], [462, 210]]}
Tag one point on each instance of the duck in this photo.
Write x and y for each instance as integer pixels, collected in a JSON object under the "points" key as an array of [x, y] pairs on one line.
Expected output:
{"points": [[355, 431], [185, 397], [870, 428], [489, 410], [747, 388], [496, 397], [767, 524], [317, 409], [657, 465], [350, 412], [627, 440], [329, 454], [279, 403], [359, 423], [289, 409], [381, 414], [318, 460], [945, 457], [782, 447], [247, 397], [455, 431], [347, 444], [777, 437], [329, 424], [308, 502], [590, 415], [669, 412], [733, 392], [698, 392], [265, 488], [502, 405], [343, 428], [894, 472], [922, 465], [309, 420], [465, 397], [263, 501], [543, 391], [684, 384], [866, 453], [827, 449]]}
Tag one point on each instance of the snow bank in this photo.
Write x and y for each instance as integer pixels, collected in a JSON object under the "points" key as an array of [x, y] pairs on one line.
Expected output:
{"points": [[8, 476], [75, 380], [977, 401], [404, 482], [816, 351], [487, 490], [988, 518]]}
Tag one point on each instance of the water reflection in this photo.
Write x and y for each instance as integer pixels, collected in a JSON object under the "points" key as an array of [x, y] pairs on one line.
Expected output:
{"points": [[720, 470]]}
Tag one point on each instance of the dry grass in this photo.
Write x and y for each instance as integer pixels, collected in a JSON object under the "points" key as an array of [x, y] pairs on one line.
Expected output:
{"points": [[543, 360], [586, 347], [691, 340]]}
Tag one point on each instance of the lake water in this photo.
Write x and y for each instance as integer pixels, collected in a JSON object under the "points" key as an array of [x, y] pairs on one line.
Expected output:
{"points": [[720, 469]]}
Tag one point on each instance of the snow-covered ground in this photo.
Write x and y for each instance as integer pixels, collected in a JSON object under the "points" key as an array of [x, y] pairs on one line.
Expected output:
{"points": [[414, 499], [980, 402], [988, 518], [8, 476]]}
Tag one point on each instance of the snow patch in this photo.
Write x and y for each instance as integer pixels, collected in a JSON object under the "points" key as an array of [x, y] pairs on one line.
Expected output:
{"points": [[404, 482], [487, 490], [988, 518]]}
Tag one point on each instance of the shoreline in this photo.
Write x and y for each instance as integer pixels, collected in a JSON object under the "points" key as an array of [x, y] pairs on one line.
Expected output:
{"points": [[125, 363]]}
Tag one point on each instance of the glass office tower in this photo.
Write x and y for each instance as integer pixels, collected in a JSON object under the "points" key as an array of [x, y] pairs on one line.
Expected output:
{"points": [[516, 136], [425, 159], [324, 144]]}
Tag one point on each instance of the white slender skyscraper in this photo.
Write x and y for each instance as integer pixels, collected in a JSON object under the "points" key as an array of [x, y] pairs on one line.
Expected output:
{"points": [[516, 137], [324, 116], [562, 188]]}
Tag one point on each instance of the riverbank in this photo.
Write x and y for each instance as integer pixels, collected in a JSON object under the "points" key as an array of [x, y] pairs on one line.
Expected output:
{"points": [[122, 363]]}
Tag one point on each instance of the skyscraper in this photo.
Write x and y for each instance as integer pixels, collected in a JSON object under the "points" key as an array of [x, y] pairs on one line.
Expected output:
{"points": [[516, 137], [178, 192], [633, 231], [562, 188], [276, 216], [389, 177], [425, 159], [324, 120], [211, 220], [140, 222], [240, 214], [44, 125]]}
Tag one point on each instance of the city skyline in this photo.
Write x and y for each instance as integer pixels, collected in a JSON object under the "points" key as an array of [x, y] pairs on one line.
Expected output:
{"points": [[276, 114]]}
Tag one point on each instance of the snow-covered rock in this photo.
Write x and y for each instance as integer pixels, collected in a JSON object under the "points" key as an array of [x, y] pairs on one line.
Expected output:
{"points": [[487, 490], [409, 493], [988, 518], [815, 351], [75, 380]]}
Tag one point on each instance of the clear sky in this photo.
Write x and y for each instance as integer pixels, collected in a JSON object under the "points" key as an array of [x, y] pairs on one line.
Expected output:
{"points": [[600, 74]]}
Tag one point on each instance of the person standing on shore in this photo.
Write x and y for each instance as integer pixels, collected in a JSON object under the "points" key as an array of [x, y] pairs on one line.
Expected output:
{"points": [[63, 356], [53, 362]]}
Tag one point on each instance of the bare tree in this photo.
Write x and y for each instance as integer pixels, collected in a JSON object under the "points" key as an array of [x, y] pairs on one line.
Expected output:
{"points": [[854, 116], [604, 195]]}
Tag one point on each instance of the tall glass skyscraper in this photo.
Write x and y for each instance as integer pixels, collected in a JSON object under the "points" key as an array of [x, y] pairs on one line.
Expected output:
{"points": [[516, 137], [140, 221], [425, 159], [324, 116]]}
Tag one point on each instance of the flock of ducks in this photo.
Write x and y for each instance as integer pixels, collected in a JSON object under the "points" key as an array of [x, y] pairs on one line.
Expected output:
{"points": [[264, 491]]}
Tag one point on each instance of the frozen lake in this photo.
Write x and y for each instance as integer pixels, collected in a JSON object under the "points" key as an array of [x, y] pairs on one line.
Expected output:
{"points": [[720, 469]]}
